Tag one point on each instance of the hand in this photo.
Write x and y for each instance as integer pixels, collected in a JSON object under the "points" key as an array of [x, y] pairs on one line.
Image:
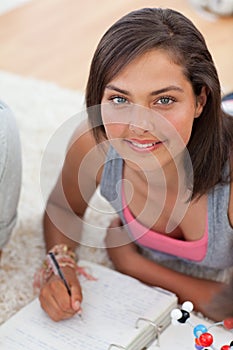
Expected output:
{"points": [[55, 299], [121, 250]]}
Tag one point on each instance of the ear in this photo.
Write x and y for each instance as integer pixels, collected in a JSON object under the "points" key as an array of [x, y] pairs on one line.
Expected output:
{"points": [[201, 101]]}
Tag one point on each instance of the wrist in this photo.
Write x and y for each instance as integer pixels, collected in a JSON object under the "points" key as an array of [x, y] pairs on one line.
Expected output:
{"points": [[63, 250], [65, 257], [67, 261]]}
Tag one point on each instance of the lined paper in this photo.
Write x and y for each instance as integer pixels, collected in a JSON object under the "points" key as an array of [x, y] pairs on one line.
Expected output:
{"points": [[111, 306]]}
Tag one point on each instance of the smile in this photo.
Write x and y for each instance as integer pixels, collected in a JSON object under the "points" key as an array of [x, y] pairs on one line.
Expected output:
{"points": [[144, 146]]}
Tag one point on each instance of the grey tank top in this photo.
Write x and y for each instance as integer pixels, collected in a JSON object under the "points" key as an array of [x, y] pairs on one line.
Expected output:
{"points": [[219, 255]]}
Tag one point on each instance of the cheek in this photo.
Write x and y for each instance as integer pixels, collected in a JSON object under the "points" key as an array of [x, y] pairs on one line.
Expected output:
{"points": [[184, 130], [114, 130], [183, 125]]}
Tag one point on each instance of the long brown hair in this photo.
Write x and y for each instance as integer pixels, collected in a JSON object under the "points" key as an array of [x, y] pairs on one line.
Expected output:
{"points": [[154, 28]]}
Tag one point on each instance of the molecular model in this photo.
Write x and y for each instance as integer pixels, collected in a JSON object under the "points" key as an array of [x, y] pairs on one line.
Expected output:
{"points": [[203, 336]]}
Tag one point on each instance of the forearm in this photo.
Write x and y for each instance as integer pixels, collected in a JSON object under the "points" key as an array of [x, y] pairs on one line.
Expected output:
{"points": [[61, 227], [199, 291], [61, 305]]}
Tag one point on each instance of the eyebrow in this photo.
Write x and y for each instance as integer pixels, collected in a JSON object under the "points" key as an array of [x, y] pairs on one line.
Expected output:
{"points": [[153, 93]]}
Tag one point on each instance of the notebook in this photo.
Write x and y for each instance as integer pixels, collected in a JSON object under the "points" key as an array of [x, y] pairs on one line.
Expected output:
{"points": [[119, 312]]}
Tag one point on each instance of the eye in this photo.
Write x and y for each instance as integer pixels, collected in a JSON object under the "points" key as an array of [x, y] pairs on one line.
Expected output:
{"points": [[118, 100], [165, 100]]}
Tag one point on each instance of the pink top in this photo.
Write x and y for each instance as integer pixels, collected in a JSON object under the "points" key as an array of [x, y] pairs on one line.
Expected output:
{"points": [[191, 250]]}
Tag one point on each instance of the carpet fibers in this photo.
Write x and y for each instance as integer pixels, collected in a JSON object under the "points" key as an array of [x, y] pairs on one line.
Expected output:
{"points": [[40, 109]]}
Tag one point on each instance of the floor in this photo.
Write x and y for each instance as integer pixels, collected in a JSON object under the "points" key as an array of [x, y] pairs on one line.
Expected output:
{"points": [[54, 40]]}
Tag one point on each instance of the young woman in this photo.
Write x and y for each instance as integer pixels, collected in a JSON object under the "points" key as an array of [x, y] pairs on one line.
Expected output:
{"points": [[161, 149]]}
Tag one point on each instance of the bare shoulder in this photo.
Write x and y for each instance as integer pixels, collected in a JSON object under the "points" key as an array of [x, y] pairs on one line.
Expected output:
{"points": [[82, 139], [81, 172], [84, 154]]}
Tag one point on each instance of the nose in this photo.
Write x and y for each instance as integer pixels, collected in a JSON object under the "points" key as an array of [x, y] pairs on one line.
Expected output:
{"points": [[139, 130], [140, 121]]}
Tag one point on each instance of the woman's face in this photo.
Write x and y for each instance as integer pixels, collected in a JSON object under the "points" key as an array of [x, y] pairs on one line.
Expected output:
{"points": [[148, 110]]}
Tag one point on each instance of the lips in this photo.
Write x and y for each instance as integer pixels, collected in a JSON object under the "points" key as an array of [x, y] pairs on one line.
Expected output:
{"points": [[144, 145]]}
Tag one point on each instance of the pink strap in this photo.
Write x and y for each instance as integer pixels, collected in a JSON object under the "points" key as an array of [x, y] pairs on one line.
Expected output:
{"points": [[191, 250]]}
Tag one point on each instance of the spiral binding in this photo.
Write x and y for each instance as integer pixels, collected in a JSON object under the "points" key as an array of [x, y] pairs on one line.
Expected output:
{"points": [[112, 346], [156, 327]]}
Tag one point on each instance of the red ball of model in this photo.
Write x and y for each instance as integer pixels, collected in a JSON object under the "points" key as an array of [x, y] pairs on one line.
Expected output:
{"points": [[206, 339], [228, 323]]}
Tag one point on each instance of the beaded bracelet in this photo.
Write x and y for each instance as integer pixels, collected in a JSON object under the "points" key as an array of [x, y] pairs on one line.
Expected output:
{"points": [[65, 257], [63, 250]]}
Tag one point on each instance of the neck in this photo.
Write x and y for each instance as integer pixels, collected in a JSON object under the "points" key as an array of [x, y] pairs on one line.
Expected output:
{"points": [[168, 177]]}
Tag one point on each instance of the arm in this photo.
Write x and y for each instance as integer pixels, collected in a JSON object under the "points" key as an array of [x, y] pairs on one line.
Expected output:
{"points": [[222, 303], [128, 260], [76, 184], [199, 291], [63, 220]]}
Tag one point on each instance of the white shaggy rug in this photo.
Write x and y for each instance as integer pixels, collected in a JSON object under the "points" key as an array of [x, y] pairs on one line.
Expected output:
{"points": [[40, 108]]}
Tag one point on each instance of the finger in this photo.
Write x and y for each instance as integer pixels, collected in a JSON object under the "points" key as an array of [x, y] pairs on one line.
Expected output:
{"points": [[75, 288], [51, 307], [76, 297], [55, 300], [61, 296], [54, 311]]}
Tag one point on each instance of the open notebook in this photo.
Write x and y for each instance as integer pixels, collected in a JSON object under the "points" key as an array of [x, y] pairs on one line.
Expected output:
{"points": [[117, 309]]}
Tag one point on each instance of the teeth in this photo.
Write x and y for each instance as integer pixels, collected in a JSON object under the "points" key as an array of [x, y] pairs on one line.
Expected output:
{"points": [[143, 145]]}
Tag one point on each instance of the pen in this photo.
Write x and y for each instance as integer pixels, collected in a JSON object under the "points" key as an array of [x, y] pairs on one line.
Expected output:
{"points": [[58, 271]]}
